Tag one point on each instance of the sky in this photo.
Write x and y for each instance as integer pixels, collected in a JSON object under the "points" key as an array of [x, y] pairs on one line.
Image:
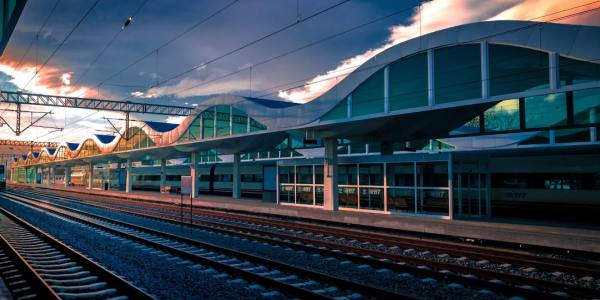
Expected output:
{"points": [[161, 58]]}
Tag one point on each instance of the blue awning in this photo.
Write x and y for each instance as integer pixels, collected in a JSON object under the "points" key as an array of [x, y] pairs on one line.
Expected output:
{"points": [[105, 138], [51, 151], [72, 146], [161, 126]]}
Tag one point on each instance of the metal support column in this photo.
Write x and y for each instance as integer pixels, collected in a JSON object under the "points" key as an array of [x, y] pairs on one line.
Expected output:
{"points": [[485, 70], [386, 89], [90, 184], [450, 192], [236, 190], [67, 176], [553, 69], [128, 176], [330, 182], [194, 174], [163, 173]]}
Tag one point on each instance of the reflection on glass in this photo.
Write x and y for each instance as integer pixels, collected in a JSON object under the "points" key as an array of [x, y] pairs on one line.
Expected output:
{"points": [[371, 174], [502, 116], [401, 200], [400, 174], [574, 71], [339, 111], [371, 198], [408, 82], [304, 194], [319, 195], [433, 201], [348, 197], [457, 73], [516, 69], [286, 194], [545, 111], [586, 106], [367, 98]]}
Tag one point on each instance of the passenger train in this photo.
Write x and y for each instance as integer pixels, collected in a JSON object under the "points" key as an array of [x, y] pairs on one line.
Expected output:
{"points": [[533, 192]]}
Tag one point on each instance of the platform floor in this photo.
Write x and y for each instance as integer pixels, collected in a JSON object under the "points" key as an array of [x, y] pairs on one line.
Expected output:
{"points": [[565, 236]]}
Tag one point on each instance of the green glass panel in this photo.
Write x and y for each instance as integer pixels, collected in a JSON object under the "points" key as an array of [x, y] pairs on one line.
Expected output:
{"points": [[545, 111], [502, 116], [586, 106], [517, 69], [256, 126], [574, 71], [408, 82], [339, 111], [457, 73], [367, 98], [470, 127], [208, 123], [223, 115], [239, 121]]}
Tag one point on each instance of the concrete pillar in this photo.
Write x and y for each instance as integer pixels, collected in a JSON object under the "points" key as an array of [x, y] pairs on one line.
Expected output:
{"points": [[128, 176], [90, 176], [236, 187], [194, 174], [330, 180], [67, 176], [163, 173]]}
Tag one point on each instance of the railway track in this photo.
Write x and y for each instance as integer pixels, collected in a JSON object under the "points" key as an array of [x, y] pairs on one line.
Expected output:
{"points": [[34, 265], [286, 278], [506, 283], [375, 238]]}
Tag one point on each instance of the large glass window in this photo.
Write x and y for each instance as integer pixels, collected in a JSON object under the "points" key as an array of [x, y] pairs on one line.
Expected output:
{"points": [[347, 175], [516, 69], [401, 200], [348, 197], [223, 114], [371, 174], [432, 174], [502, 116], [408, 82], [239, 121], [545, 111], [586, 106], [400, 174], [367, 98], [371, 198], [457, 73], [286, 175], [339, 111], [208, 123], [574, 71], [305, 174]]}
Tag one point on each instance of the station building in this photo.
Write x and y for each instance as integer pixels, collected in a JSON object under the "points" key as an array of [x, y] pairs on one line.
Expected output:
{"points": [[486, 119]]}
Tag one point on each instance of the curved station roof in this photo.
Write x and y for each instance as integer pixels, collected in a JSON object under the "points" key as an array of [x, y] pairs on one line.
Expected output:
{"points": [[422, 88]]}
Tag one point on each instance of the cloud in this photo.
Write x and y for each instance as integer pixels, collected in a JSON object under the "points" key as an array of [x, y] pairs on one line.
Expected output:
{"points": [[434, 16], [50, 80], [189, 87]]}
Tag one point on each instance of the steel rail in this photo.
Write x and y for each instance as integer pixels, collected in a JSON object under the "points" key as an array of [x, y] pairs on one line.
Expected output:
{"points": [[123, 287], [368, 290], [367, 256]]}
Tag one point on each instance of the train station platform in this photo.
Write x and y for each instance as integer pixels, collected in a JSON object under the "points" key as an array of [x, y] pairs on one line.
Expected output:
{"points": [[527, 232]]}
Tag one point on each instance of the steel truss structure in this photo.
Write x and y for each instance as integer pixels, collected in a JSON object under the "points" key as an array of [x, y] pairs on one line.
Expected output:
{"points": [[89, 103]]}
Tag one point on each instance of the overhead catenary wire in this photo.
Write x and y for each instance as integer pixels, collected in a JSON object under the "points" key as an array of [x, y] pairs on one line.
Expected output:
{"points": [[110, 42], [85, 15], [176, 37], [258, 40]]}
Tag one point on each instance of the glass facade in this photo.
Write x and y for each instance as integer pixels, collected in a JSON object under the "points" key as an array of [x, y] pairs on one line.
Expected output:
{"points": [[367, 98], [586, 106], [502, 116], [545, 111], [403, 187], [301, 184], [574, 71], [457, 73], [408, 82], [516, 69], [339, 111]]}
